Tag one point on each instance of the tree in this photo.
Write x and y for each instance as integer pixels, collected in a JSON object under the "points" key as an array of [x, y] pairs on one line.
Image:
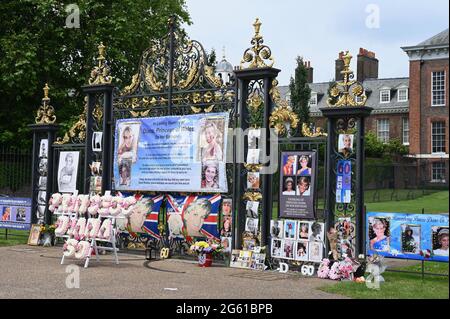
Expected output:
{"points": [[300, 92], [212, 58], [37, 47]]}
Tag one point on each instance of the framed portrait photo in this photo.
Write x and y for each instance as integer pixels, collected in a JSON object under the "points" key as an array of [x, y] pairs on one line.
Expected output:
{"points": [[315, 251], [67, 171], [97, 138], [35, 233]]}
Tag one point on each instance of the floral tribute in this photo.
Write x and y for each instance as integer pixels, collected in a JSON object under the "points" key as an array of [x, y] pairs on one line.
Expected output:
{"points": [[202, 247]]}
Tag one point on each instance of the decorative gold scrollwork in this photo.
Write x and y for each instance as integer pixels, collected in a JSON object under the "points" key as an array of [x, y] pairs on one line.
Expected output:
{"points": [[256, 56], [255, 101], [306, 131], [78, 130], [253, 167], [46, 112], [100, 73], [252, 196], [347, 91], [283, 117], [129, 89], [98, 113], [151, 81]]}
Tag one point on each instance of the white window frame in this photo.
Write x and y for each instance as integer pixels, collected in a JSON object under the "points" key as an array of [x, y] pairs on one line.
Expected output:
{"points": [[404, 131], [381, 96], [288, 98], [434, 180], [432, 138], [386, 140], [445, 93], [406, 94], [313, 95]]}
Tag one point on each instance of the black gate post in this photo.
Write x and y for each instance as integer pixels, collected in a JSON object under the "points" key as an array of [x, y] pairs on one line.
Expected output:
{"points": [[42, 158], [94, 92], [256, 71], [346, 114], [100, 86]]}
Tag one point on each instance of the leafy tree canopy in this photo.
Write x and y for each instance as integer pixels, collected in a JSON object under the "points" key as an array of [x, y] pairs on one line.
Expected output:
{"points": [[37, 47]]}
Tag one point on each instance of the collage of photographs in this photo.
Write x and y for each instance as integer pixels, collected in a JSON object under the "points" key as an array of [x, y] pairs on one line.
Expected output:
{"points": [[42, 180], [211, 152], [342, 238], [248, 259], [385, 238], [226, 225], [298, 240], [129, 133], [296, 175]]}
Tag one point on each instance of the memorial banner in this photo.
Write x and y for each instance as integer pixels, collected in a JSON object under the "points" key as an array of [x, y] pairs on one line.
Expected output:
{"points": [[15, 213], [344, 182], [297, 184], [174, 153], [408, 236]]}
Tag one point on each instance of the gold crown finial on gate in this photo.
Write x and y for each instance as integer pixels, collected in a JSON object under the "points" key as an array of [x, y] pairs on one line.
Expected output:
{"points": [[257, 26], [259, 53], [347, 92], [45, 112], [100, 73]]}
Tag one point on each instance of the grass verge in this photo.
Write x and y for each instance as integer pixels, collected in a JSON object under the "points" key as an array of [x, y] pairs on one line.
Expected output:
{"points": [[400, 285]]}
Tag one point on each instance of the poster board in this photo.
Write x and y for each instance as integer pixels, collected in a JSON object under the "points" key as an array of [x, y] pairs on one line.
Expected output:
{"points": [[408, 236], [15, 213], [172, 154], [297, 184]]}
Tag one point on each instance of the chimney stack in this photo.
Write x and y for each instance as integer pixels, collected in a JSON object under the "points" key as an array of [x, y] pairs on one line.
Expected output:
{"points": [[367, 65], [339, 66], [310, 71]]}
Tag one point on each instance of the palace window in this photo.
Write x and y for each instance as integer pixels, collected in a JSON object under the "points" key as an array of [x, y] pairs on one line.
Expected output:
{"points": [[383, 130], [438, 137], [402, 95], [438, 172], [438, 88], [313, 100], [385, 96], [405, 131]]}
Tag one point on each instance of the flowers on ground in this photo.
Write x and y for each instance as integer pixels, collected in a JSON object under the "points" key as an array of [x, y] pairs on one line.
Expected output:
{"points": [[202, 247]]}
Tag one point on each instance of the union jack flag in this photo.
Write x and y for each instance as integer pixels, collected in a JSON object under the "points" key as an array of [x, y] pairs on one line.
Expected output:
{"points": [[150, 226], [179, 204]]}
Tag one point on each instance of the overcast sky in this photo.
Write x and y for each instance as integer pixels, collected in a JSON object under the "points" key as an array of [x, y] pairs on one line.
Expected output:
{"points": [[318, 30]]}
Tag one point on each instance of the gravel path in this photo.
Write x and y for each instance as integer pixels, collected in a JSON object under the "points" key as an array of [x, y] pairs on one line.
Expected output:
{"points": [[35, 272]]}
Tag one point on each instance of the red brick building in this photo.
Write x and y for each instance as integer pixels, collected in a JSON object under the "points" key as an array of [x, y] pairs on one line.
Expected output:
{"points": [[388, 97], [428, 106], [413, 110]]}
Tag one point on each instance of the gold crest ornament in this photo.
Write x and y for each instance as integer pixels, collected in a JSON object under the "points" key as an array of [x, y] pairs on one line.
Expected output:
{"points": [[259, 55], [347, 92], [46, 112], [100, 73]]}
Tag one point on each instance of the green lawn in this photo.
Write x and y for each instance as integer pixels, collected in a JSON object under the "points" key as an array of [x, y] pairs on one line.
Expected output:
{"points": [[13, 240], [400, 285], [434, 203]]}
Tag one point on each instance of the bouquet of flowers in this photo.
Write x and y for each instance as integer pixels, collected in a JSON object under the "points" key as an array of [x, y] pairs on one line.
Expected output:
{"points": [[47, 235], [202, 247], [334, 273], [48, 229], [324, 269], [346, 269]]}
